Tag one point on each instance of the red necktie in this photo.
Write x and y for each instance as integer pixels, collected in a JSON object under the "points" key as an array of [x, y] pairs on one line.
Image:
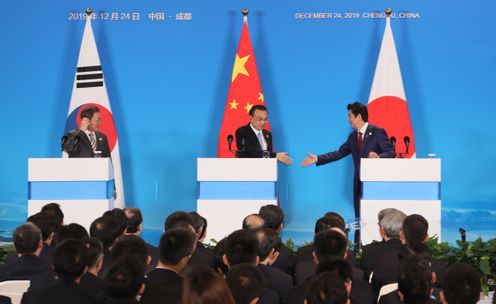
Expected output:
{"points": [[359, 144]]}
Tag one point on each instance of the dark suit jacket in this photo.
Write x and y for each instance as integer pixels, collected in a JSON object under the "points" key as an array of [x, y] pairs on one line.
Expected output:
{"points": [[59, 291], [202, 256], [155, 293], [276, 280], [23, 268], [154, 253], [361, 292], [305, 254], [93, 287], [375, 140], [252, 147], [167, 279], [308, 269], [372, 256], [5, 300], [285, 260], [83, 147]]}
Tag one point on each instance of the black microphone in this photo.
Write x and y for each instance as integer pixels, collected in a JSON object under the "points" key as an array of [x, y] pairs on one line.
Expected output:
{"points": [[229, 141], [63, 139], [243, 144], [406, 139], [463, 234], [77, 139]]}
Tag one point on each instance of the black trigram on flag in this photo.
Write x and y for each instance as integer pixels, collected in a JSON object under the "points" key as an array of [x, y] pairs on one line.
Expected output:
{"points": [[89, 77]]}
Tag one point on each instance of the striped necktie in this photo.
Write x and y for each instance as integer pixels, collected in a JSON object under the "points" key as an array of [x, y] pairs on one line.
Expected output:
{"points": [[93, 140]]}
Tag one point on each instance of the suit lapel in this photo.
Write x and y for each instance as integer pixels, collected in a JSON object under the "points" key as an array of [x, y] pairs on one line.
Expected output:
{"points": [[253, 135], [366, 138], [268, 139], [87, 143]]}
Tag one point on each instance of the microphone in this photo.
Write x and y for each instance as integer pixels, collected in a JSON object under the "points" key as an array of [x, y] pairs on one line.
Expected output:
{"points": [[229, 141], [77, 139], [393, 142], [243, 144], [406, 140]]}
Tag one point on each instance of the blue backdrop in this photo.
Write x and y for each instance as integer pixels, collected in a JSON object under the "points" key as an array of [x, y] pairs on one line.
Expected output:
{"points": [[168, 82]]}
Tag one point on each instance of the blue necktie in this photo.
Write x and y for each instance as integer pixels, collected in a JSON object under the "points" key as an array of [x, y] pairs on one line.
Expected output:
{"points": [[260, 139]]}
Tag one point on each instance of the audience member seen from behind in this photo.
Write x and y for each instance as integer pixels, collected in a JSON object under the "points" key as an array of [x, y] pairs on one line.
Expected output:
{"points": [[461, 285], [205, 286]]}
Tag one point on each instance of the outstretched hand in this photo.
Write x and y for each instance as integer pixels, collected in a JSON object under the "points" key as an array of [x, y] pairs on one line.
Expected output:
{"points": [[284, 158], [311, 159]]}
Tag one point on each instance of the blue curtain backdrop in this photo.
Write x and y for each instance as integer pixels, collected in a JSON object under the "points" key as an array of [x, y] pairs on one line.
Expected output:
{"points": [[168, 82]]}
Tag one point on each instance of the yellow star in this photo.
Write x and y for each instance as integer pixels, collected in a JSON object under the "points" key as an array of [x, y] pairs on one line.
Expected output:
{"points": [[239, 67], [234, 104], [248, 107], [261, 97]]}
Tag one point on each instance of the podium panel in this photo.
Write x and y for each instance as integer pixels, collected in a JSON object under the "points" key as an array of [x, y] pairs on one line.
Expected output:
{"points": [[83, 187], [410, 185], [229, 189]]}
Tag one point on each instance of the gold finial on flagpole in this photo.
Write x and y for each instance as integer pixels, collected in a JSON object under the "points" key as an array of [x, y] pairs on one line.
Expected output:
{"points": [[88, 11], [388, 12], [245, 12]]}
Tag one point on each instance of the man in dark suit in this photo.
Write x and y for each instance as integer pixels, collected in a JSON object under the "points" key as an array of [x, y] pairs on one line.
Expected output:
{"points": [[253, 141], [28, 243], [367, 141], [69, 263], [202, 256], [87, 141], [176, 247]]}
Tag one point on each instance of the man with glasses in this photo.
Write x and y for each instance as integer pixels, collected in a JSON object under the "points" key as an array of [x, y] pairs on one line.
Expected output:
{"points": [[253, 141]]}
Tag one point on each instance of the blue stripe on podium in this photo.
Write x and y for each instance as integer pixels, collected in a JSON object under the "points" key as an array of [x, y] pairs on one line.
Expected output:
{"points": [[77, 190], [237, 190], [401, 191]]}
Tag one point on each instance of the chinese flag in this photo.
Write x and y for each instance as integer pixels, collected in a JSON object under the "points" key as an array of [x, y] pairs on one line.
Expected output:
{"points": [[245, 91], [387, 101]]}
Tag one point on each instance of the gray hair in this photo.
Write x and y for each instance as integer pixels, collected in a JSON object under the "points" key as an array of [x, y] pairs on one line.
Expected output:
{"points": [[26, 238], [391, 221]]}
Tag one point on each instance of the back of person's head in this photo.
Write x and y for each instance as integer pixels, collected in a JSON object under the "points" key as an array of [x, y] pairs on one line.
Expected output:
{"points": [[461, 285], [134, 219], [200, 224], [54, 210], [330, 243], [46, 222], [70, 259], [27, 238], [357, 108], [253, 222], [327, 288], [120, 218], [241, 246], [175, 244], [218, 257], [205, 286], [72, 231], [268, 240], [124, 278], [178, 217], [272, 215], [415, 280], [245, 282], [415, 229], [327, 222], [391, 222], [130, 245], [335, 264], [106, 229], [95, 251], [335, 215]]}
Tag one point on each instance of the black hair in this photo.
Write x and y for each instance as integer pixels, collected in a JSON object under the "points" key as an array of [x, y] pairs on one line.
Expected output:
{"points": [[272, 215], [176, 217], [336, 264], [120, 218], [359, 108], [327, 222], [46, 222], [461, 285], [95, 251], [124, 278], [330, 243], [175, 244], [72, 231], [268, 239], [26, 238], [257, 107], [415, 229], [327, 288], [88, 112], [245, 282], [241, 246], [134, 219], [106, 229], [54, 209], [198, 222], [415, 279], [70, 259], [218, 253], [130, 245]]}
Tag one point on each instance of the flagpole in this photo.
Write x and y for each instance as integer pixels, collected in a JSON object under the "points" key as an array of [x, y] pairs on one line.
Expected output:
{"points": [[245, 13]]}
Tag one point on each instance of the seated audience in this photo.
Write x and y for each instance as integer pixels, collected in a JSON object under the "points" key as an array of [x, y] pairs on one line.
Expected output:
{"points": [[246, 283], [135, 226], [415, 280], [461, 285], [107, 229], [202, 256], [327, 288], [124, 281], [205, 286]]}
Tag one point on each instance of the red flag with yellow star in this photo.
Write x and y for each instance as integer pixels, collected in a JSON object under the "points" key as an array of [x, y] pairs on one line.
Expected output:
{"points": [[245, 91]]}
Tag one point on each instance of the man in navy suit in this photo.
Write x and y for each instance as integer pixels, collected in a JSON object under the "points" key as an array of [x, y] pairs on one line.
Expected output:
{"points": [[367, 141]]}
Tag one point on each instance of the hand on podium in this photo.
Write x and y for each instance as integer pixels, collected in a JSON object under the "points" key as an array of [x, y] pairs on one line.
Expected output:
{"points": [[284, 158], [311, 159], [373, 155]]}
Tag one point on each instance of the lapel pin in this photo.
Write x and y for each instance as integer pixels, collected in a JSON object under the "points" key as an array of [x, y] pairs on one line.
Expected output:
{"points": [[100, 139], [370, 133]]}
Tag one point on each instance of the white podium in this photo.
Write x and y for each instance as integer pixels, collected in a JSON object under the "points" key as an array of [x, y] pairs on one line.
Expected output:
{"points": [[83, 187], [410, 185], [229, 189]]}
